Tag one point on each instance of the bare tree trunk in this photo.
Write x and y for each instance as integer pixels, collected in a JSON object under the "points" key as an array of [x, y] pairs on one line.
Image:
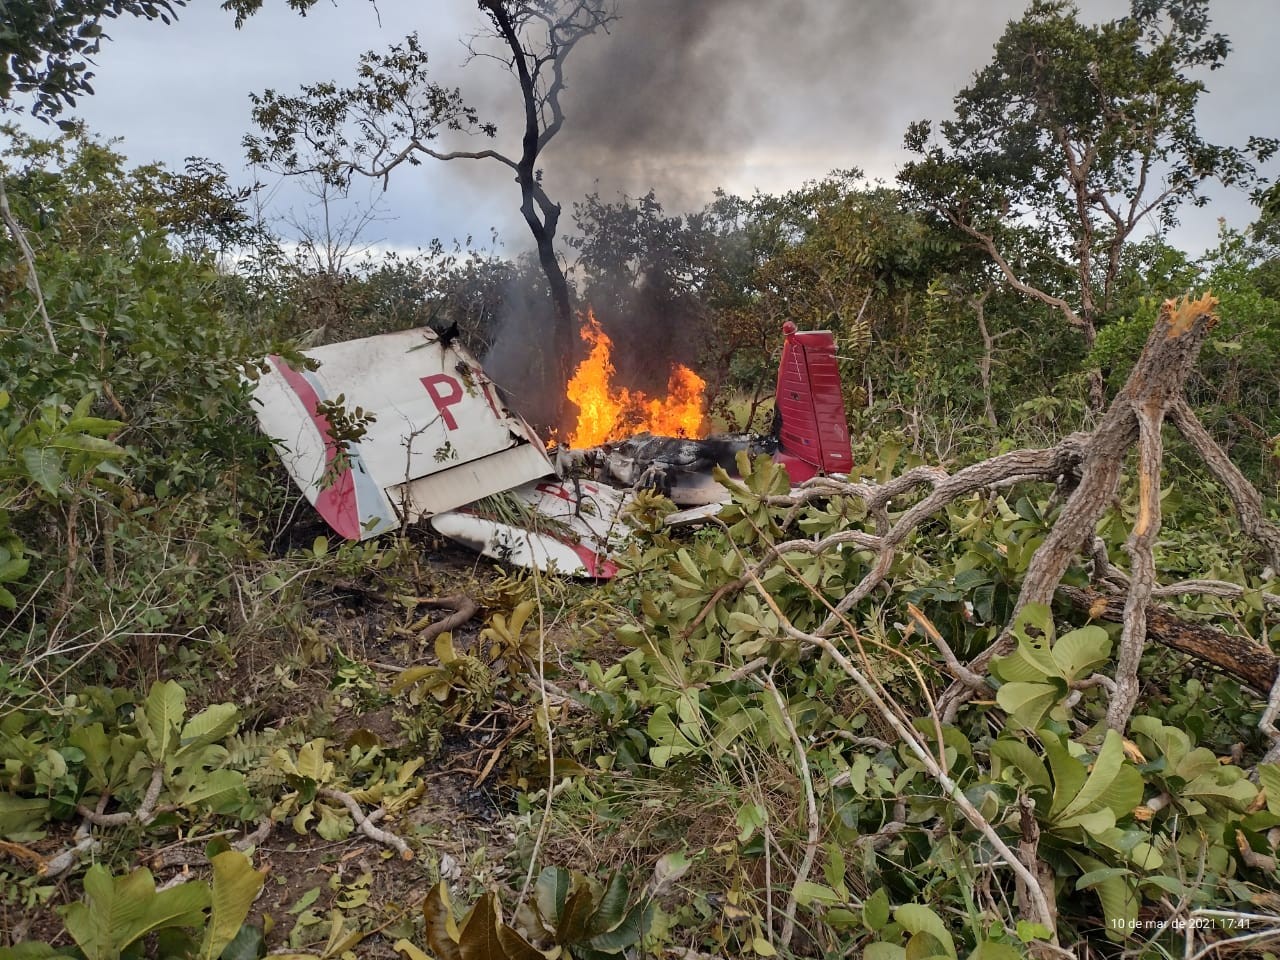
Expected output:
{"points": [[543, 118]]}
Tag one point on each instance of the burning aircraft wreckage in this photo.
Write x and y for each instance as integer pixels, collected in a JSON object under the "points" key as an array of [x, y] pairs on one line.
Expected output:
{"points": [[441, 444]]}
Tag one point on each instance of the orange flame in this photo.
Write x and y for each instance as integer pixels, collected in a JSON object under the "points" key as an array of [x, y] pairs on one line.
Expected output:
{"points": [[608, 413]]}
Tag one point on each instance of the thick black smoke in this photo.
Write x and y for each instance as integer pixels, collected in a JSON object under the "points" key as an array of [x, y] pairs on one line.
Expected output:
{"points": [[684, 96]]}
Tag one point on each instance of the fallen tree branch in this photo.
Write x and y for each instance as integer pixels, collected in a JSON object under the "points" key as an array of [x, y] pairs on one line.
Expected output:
{"points": [[1214, 588], [181, 854], [1142, 569], [1267, 724], [425, 630], [365, 821], [1249, 662]]}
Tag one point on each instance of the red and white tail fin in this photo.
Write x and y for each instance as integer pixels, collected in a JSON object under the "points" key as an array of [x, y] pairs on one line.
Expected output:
{"points": [[811, 426]]}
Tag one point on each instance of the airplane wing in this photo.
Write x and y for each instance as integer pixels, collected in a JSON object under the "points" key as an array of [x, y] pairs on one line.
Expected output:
{"points": [[441, 436]]}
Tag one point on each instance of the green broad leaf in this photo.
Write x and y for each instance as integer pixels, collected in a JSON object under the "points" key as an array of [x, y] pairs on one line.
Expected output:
{"points": [[549, 894], [180, 906], [1069, 774], [1028, 702], [12, 570], [1199, 762], [883, 951], [222, 791], [92, 741], [311, 763], [31, 950], [96, 426], [1236, 794], [307, 899], [1168, 742], [751, 817], [1025, 760], [1166, 884], [1110, 783], [1029, 931], [209, 726], [875, 910], [1091, 879], [247, 944], [161, 718], [117, 911], [7, 600], [628, 933], [762, 947], [841, 918], [808, 893], [334, 823], [1082, 651], [1118, 898], [21, 817], [670, 739], [441, 928], [84, 443], [925, 946], [991, 950], [1094, 822], [1030, 662], [235, 886], [1269, 777], [952, 737], [612, 909], [689, 566], [916, 918], [44, 467], [732, 727]]}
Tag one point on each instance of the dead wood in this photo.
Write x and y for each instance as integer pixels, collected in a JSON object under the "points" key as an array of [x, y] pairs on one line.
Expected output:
{"points": [[1249, 662], [463, 607]]}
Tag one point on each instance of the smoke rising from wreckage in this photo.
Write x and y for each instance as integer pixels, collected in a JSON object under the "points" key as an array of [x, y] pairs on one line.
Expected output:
{"points": [[440, 444]]}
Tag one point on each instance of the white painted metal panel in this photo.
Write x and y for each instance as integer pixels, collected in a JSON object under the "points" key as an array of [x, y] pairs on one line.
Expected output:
{"points": [[438, 425]]}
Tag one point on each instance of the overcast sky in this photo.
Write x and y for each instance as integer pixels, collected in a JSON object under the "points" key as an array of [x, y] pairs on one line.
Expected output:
{"points": [[684, 95]]}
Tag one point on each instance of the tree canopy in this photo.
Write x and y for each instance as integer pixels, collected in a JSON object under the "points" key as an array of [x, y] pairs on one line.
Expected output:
{"points": [[1082, 133], [47, 48]]}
